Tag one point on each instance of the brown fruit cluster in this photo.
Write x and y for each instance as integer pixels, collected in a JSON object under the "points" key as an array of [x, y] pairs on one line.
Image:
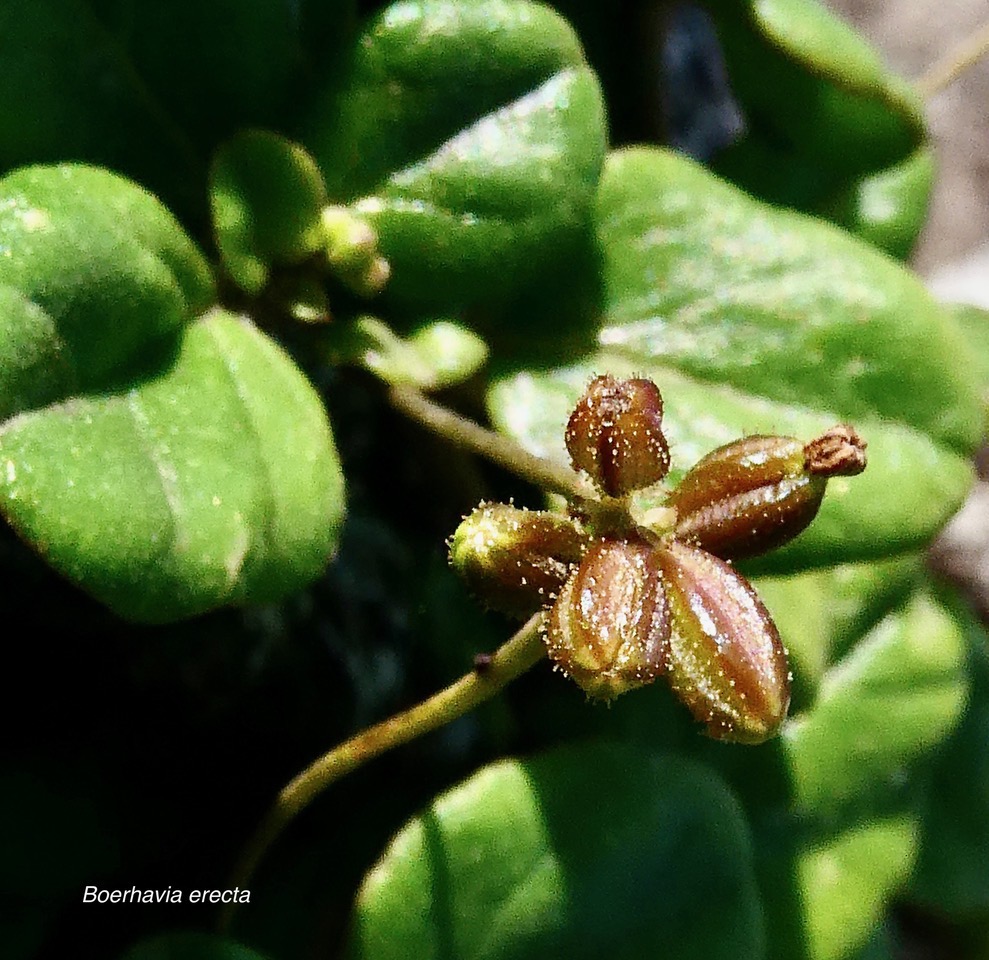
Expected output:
{"points": [[628, 603]]}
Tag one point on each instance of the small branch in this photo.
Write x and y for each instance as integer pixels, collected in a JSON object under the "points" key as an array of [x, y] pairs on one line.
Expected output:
{"points": [[511, 660], [501, 450], [954, 63]]}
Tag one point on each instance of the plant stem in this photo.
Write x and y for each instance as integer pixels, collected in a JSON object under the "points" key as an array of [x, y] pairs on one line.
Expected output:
{"points": [[501, 450], [954, 63], [512, 659]]}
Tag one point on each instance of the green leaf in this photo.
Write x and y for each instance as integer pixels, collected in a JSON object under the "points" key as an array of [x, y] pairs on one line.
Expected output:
{"points": [[859, 596], [845, 885], [757, 320], [399, 80], [214, 481], [881, 945], [847, 752], [833, 801], [826, 893], [773, 303], [888, 208], [820, 614], [799, 608], [951, 876], [266, 195], [93, 270], [190, 946], [478, 185], [821, 110], [167, 468], [974, 324], [590, 851]]}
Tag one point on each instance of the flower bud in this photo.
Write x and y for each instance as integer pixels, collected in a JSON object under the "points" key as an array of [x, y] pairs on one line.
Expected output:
{"points": [[747, 497], [615, 435], [725, 660], [350, 245], [610, 625], [515, 560]]}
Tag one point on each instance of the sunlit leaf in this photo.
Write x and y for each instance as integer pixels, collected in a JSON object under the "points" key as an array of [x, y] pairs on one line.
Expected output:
{"points": [[508, 865]]}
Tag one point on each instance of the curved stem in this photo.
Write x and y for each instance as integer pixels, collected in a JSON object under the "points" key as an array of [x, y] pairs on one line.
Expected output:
{"points": [[954, 63], [501, 450], [511, 660]]}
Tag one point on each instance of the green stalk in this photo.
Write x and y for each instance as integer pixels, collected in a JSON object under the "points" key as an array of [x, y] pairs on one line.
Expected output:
{"points": [[493, 446], [511, 660]]}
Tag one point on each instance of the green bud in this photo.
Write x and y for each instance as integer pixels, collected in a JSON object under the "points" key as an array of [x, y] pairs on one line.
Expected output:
{"points": [[515, 560], [351, 248]]}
